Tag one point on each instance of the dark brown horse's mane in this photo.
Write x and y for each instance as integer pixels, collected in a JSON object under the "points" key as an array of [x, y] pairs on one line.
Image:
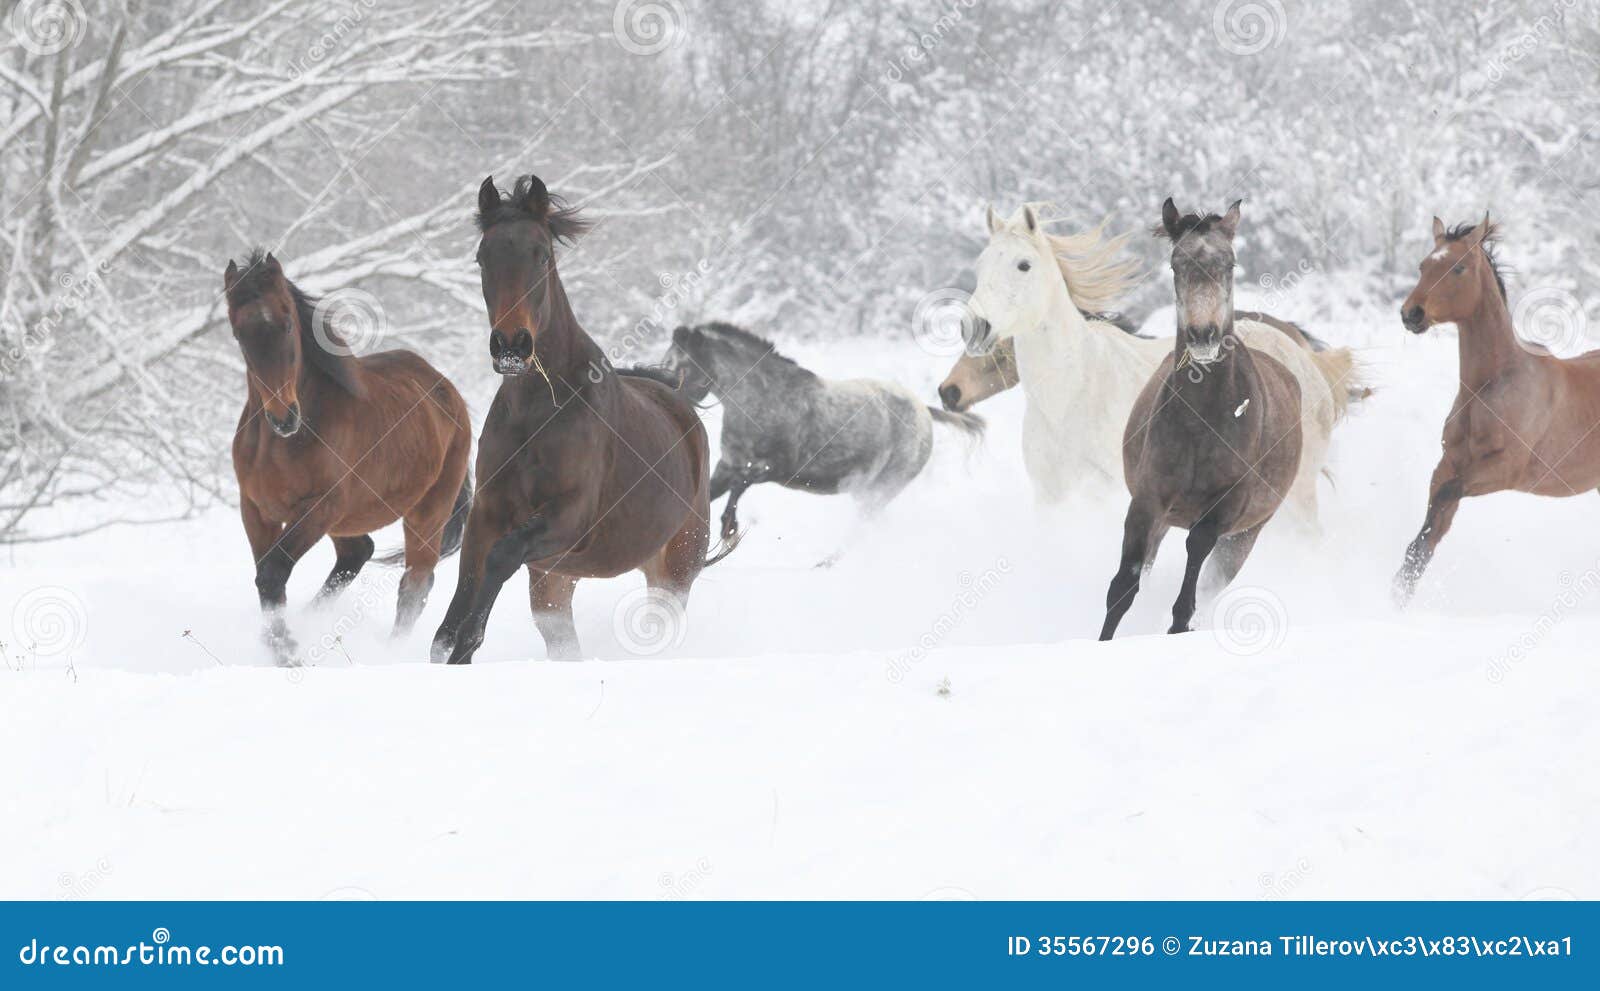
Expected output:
{"points": [[256, 281], [530, 200], [1490, 240]]}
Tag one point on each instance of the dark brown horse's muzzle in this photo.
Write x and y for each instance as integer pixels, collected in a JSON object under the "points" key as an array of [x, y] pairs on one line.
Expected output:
{"points": [[1414, 319], [289, 425], [513, 357]]}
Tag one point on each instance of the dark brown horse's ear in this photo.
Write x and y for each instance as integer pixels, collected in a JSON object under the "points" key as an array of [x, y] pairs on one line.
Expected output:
{"points": [[1438, 231], [272, 265], [230, 278], [488, 196], [680, 334], [537, 200], [1230, 220], [1169, 218]]}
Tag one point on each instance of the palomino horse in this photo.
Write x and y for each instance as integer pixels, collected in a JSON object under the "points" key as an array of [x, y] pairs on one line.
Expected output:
{"points": [[974, 378], [335, 445], [788, 425], [1523, 420], [1213, 442], [584, 471], [1082, 376]]}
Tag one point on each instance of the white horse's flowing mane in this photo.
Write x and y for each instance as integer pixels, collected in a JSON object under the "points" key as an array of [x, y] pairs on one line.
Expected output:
{"points": [[1098, 275]]}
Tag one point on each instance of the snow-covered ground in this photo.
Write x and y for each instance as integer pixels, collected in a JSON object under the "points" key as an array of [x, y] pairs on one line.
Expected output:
{"points": [[929, 717]]}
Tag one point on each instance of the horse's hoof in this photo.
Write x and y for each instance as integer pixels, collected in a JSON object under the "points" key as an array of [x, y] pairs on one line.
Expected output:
{"points": [[1401, 591]]}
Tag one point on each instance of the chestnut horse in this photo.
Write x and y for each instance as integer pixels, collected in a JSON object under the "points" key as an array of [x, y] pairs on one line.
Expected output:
{"points": [[334, 445], [584, 471], [1214, 440], [1523, 420]]}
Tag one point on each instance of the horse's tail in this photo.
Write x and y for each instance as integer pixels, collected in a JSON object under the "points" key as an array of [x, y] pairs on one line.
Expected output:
{"points": [[454, 528], [970, 424], [1346, 379], [728, 545]]}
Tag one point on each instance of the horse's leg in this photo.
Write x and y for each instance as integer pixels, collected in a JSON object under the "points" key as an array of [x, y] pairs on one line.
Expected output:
{"points": [[670, 574], [274, 567], [352, 553], [550, 597], [722, 479], [1137, 547], [262, 534], [1444, 498], [475, 544], [1226, 560], [730, 512], [533, 540], [425, 528], [1202, 538]]}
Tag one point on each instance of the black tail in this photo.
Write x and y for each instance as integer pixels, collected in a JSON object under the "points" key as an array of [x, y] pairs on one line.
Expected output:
{"points": [[970, 424], [454, 528]]}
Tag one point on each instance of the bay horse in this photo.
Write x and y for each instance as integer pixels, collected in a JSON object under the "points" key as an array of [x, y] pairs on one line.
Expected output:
{"points": [[1523, 420], [788, 425], [1081, 375], [585, 471], [335, 445], [1213, 444]]}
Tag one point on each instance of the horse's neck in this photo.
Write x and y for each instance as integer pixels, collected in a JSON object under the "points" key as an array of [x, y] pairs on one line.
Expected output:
{"points": [[1050, 361], [1487, 342], [568, 360], [762, 382]]}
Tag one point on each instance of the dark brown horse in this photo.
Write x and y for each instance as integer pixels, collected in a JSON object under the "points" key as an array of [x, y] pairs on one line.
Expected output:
{"points": [[1523, 420], [335, 445], [1213, 442], [584, 471]]}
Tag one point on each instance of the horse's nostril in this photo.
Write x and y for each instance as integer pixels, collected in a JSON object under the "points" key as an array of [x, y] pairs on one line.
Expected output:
{"points": [[950, 396]]}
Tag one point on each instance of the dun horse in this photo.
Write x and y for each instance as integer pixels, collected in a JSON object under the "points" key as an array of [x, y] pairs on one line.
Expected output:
{"points": [[1213, 442], [1523, 420], [584, 471], [334, 445]]}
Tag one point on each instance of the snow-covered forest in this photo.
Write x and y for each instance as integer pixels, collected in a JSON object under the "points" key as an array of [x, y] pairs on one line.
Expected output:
{"points": [[813, 169]]}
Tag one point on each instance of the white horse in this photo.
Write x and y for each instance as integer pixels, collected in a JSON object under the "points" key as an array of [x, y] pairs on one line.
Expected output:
{"points": [[1081, 376]]}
